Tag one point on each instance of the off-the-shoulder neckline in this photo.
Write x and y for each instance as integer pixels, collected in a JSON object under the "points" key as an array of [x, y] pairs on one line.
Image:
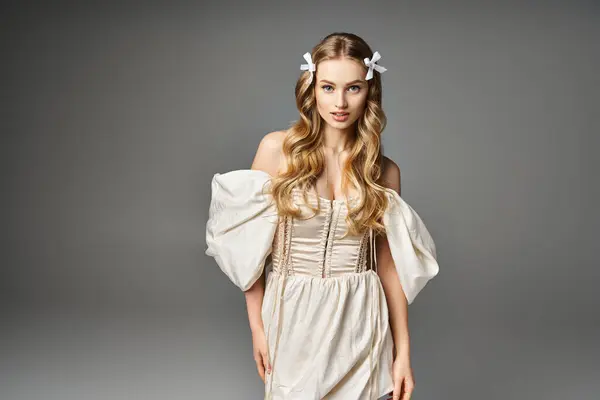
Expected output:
{"points": [[351, 198]]}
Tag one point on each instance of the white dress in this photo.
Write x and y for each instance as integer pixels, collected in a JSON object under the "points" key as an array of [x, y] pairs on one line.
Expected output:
{"points": [[324, 310]]}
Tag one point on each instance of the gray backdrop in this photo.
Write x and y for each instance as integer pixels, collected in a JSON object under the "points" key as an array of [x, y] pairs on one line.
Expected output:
{"points": [[115, 117]]}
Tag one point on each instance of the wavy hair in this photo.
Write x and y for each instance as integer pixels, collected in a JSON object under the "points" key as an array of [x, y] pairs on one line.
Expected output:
{"points": [[302, 146]]}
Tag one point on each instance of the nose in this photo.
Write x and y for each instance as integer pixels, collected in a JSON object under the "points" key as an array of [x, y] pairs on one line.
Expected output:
{"points": [[340, 101]]}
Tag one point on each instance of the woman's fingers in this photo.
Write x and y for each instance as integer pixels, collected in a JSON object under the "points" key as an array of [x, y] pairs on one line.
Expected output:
{"points": [[408, 389], [402, 390], [262, 364], [266, 362], [260, 367], [397, 388]]}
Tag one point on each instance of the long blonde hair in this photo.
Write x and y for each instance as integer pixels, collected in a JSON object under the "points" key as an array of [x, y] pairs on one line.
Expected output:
{"points": [[302, 146]]}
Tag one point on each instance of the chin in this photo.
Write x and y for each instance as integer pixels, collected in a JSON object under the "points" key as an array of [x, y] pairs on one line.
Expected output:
{"points": [[345, 123]]}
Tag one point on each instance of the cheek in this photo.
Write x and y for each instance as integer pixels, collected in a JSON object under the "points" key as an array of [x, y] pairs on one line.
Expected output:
{"points": [[324, 105], [323, 102], [359, 102]]}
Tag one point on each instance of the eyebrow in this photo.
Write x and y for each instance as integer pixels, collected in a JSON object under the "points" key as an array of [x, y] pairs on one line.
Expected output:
{"points": [[348, 84]]}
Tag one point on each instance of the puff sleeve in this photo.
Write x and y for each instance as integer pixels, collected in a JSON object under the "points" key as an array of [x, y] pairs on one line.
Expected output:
{"points": [[411, 245], [241, 225]]}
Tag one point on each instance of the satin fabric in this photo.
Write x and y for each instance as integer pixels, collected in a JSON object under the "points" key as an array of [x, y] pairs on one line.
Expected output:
{"points": [[324, 310]]}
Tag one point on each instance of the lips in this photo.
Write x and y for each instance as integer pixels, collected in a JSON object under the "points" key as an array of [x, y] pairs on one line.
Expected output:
{"points": [[341, 117], [341, 114]]}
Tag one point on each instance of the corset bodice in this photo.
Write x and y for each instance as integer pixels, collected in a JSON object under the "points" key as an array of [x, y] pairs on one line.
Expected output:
{"points": [[316, 242]]}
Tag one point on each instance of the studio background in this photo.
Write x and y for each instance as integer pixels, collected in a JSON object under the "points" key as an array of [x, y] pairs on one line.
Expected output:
{"points": [[115, 117]]}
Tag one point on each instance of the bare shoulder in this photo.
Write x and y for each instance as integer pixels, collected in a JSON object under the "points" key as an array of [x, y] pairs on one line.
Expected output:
{"points": [[269, 153], [391, 177]]}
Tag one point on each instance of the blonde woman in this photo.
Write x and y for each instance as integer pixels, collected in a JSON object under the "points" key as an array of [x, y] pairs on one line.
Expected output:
{"points": [[321, 206]]}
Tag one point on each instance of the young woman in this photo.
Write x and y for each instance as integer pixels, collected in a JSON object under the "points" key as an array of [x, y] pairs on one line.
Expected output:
{"points": [[321, 205]]}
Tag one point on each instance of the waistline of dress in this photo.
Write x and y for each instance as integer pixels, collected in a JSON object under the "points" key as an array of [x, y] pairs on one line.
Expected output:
{"points": [[342, 276]]}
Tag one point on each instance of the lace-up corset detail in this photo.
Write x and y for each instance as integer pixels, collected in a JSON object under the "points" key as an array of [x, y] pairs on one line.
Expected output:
{"points": [[316, 246]]}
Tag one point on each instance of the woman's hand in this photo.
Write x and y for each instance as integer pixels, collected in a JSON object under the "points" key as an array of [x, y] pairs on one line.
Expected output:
{"points": [[404, 382], [261, 356]]}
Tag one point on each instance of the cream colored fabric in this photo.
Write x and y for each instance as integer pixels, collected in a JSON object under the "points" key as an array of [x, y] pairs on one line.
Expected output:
{"points": [[324, 309]]}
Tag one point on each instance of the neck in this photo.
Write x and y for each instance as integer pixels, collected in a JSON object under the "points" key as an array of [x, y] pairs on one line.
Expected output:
{"points": [[337, 140]]}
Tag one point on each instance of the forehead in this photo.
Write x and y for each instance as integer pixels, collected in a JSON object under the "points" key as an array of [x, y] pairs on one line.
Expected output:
{"points": [[340, 71]]}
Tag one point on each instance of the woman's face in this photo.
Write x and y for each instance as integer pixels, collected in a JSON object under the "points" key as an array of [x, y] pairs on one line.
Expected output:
{"points": [[340, 88]]}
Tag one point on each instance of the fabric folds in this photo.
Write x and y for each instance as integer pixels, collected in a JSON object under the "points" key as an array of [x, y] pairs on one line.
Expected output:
{"points": [[328, 337], [411, 246], [241, 225]]}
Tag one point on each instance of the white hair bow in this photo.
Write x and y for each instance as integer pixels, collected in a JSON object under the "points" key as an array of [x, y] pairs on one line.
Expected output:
{"points": [[372, 66], [308, 67]]}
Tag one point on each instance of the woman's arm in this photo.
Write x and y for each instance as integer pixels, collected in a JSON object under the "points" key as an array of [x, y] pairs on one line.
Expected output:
{"points": [[266, 159], [254, 300], [402, 374], [396, 299]]}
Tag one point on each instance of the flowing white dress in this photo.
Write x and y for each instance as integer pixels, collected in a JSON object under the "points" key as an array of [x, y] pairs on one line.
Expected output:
{"points": [[324, 310]]}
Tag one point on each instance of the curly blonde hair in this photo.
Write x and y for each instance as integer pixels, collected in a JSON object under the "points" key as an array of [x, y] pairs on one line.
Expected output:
{"points": [[303, 143]]}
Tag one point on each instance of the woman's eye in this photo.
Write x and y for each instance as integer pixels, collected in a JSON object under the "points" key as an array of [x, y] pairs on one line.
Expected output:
{"points": [[327, 87]]}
